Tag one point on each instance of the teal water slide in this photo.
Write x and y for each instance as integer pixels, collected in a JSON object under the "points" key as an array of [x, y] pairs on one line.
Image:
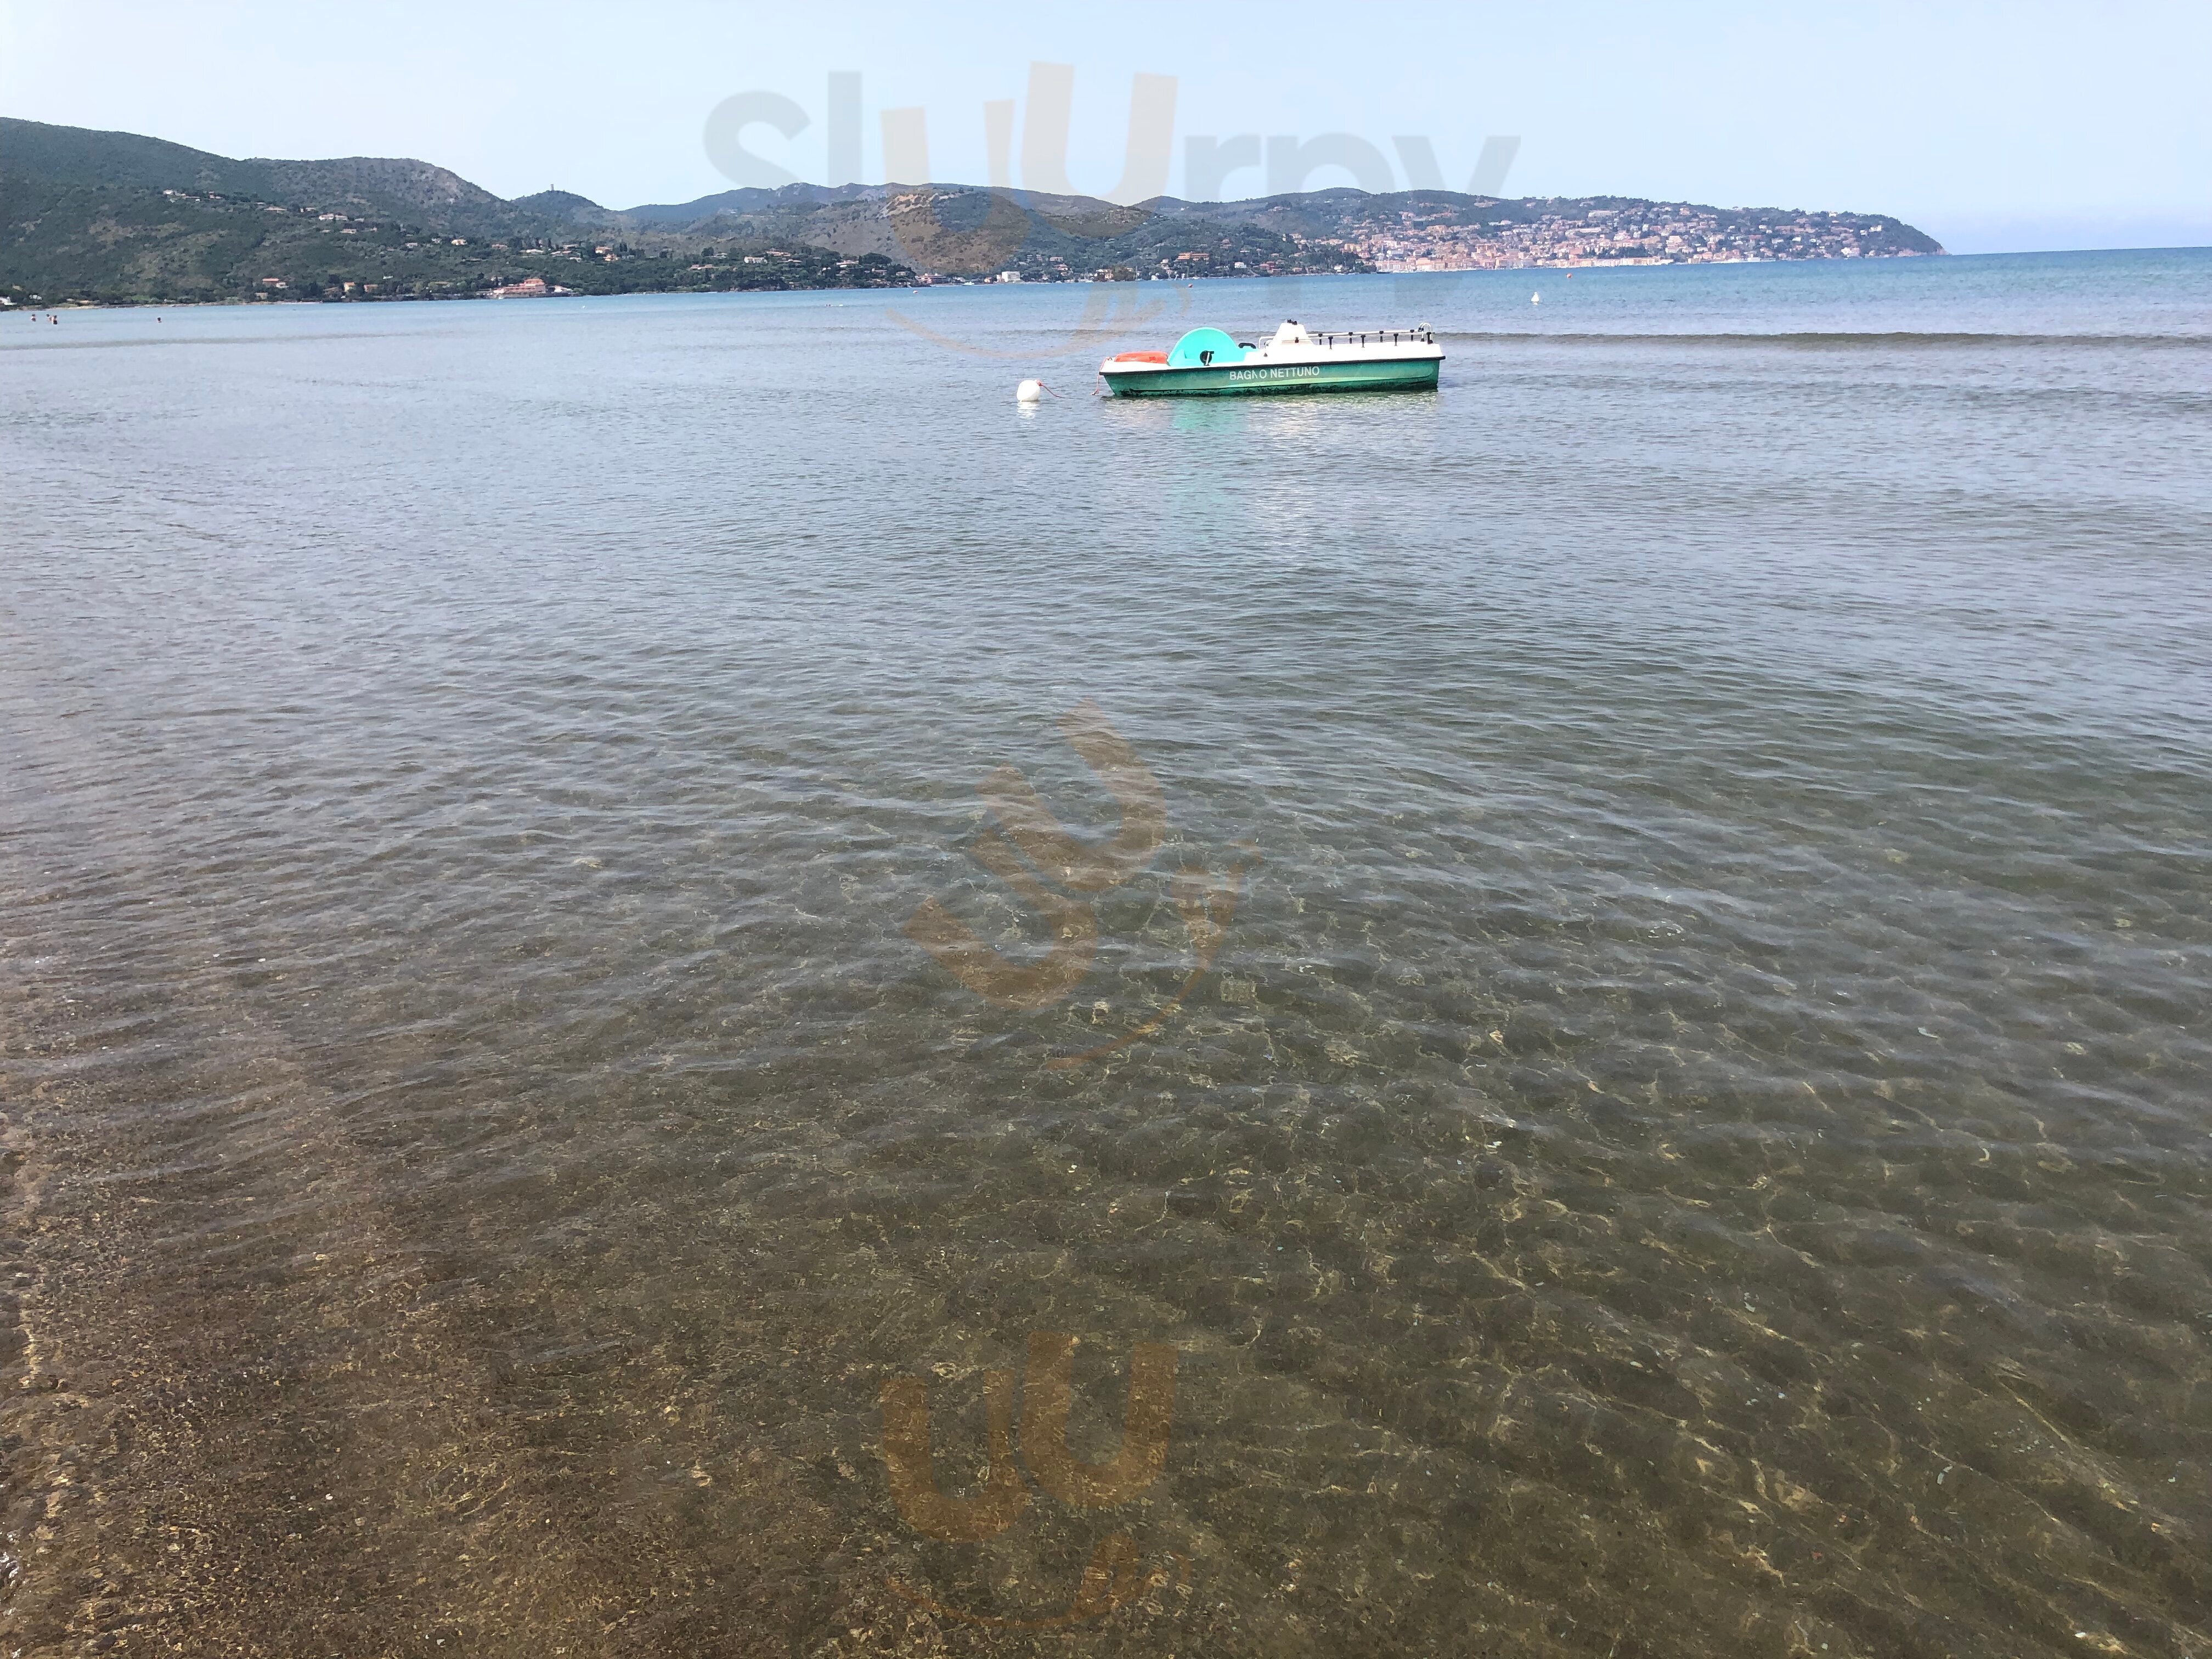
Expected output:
{"points": [[1202, 347]]}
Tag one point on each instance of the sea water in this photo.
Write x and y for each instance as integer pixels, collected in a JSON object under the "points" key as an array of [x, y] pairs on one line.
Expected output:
{"points": [[1605, 970]]}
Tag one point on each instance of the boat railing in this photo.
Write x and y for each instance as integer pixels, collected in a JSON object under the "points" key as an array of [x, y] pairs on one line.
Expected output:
{"points": [[1378, 335]]}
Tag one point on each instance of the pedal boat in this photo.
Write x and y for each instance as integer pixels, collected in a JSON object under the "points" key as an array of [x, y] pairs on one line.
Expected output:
{"points": [[1207, 362]]}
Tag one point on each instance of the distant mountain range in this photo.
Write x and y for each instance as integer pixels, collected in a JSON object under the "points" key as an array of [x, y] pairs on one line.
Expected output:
{"points": [[115, 217]]}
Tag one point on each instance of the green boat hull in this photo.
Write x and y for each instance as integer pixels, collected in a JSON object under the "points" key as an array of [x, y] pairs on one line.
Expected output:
{"points": [[1235, 380]]}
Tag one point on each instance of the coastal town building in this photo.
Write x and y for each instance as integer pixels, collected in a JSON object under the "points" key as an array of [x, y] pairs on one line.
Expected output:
{"points": [[1526, 234]]}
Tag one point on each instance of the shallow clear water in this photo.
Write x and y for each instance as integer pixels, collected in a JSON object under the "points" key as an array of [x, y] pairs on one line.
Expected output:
{"points": [[1692, 1139]]}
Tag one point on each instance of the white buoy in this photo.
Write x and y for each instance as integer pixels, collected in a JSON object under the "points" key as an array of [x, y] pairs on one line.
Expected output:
{"points": [[1535, 299], [1030, 391]]}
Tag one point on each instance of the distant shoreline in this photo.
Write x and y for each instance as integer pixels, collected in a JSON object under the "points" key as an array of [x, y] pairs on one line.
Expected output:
{"points": [[117, 218], [228, 303]]}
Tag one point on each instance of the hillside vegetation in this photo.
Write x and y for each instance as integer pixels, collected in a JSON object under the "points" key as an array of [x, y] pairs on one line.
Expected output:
{"points": [[117, 218]]}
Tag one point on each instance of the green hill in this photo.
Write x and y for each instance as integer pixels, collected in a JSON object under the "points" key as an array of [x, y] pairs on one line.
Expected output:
{"points": [[115, 217], [81, 158]]}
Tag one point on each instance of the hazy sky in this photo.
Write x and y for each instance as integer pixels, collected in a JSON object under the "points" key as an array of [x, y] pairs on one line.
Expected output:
{"points": [[1993, 125]]}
